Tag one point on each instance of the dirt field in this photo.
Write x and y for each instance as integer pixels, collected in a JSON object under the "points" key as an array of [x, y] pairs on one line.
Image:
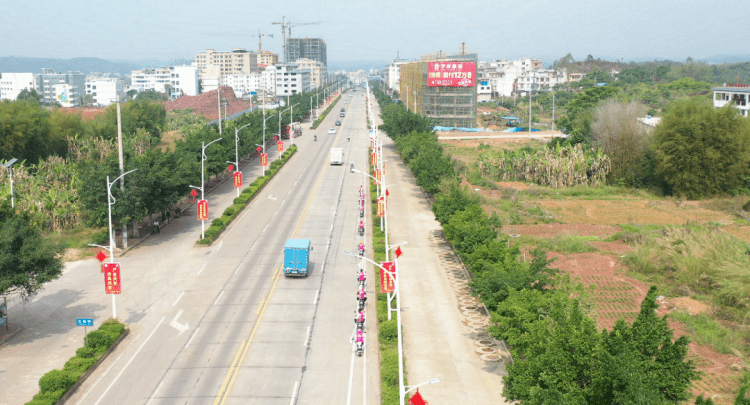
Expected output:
{"points": [[632, 212]]}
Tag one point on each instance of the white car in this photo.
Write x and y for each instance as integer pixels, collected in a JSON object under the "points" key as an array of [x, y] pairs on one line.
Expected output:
{"points": [[332, 131]]}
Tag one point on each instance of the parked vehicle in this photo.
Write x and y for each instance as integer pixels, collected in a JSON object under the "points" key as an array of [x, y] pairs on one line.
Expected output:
{"points": [[337, 156], [295, 128], [297, 257]]}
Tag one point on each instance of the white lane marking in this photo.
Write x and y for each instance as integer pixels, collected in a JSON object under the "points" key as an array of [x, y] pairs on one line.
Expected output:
{"points": [[129, 361], [219, 297], [264, 228], [270, 197], [364, 377], [238, 268], [178, 298], [317, 294], [219, 247], [307, 337], [331, 225], [251, 247], [351, 377], [199, 271], [180, 327], [151, 398], [294, 393], [192, 337], [108, 370]]}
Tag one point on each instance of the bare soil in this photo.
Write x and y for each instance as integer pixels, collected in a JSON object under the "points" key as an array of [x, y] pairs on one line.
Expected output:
{"points": [[634, 212]]}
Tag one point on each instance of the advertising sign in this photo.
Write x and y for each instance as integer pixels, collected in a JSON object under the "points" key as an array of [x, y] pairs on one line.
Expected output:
{"points": [[203, 210], [386, 282], [380, 208], [280, 146], [374, 159], [112, 281], [450, 74], [376, 174], [264, 159], [237, 179]]}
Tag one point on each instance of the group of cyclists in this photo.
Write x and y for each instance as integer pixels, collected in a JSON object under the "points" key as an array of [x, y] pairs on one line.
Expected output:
{"points": [[359, 317]]}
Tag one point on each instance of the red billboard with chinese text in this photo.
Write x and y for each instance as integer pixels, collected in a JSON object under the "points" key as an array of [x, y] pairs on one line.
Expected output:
{"points": [[203, 210], [451, 74], [386, 282], [380, 208], [280, 146], [112, 281], [263, 159], [237, 179]]}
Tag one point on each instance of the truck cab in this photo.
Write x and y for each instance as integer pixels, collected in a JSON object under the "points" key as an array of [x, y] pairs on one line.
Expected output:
{"points": [[297, 257]]}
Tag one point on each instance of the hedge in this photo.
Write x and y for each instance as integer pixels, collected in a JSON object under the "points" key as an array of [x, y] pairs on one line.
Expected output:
{"points": [[54, 384], [218, 225], [325, 113]]}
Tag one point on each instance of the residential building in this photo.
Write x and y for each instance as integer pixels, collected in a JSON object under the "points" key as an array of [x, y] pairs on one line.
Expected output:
{"points": [[104, 90], [310, 48], [576, 77], [242, 84], [737, 94], [290, 80], [442, 87], [46, 84], [181, 80], [11, 84], [316, 68], [393, 73], [267, 58], [212, 63], [185, 81], [541, 80]]}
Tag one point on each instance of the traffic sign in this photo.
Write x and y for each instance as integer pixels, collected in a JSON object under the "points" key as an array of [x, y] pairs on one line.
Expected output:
{"points": [[84, 322]]}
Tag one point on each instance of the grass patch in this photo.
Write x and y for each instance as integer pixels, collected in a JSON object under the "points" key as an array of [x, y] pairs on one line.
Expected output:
{"points": [[563, 244], [584, 192], [707, 332], [79, 237]]}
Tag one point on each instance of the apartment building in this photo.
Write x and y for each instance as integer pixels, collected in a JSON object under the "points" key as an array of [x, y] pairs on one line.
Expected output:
{"points": [[290, 80], [310, 48], [242, 84], [541, 80], [393, 74], [212, 63], [736, 94], [267, 58], [49, 86], [11, 84], [316, 68], [182, 80], [104, 90]]}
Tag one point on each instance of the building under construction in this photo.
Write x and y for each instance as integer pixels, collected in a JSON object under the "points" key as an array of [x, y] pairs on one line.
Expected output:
{"points": [[451, 102], [310, 48]]}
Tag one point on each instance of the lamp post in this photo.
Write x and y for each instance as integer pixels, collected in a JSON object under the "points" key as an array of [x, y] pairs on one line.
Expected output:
{"points": [[110, 202], [280, 114], [263, 168], [291, 119], [202, 187], [237, 151], [413, 387], [8, 165]]}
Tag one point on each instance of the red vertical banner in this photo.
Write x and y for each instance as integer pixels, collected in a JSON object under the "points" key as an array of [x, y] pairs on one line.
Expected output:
{"points": [[380, 207], [376, 174], [237, 179], [112, 280], [374, 159], [202, 210], [372, 144], [280, 146], [264, 159], [386, 282]]}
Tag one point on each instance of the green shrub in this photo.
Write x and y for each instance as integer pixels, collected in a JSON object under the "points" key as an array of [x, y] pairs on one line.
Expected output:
{"points": [[204, 241], [114, 328], [248, 190], [389, 376], [99, 339], [86, 352], [56, 380], [388, 331], [238, 207], [229, 212], [78, 365], [241, 200], [217, 222], [212, 232]]}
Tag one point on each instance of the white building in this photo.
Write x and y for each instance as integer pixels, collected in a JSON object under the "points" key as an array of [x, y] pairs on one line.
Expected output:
{"points": [[11, 84], [105, 90], [290, 80], [393, 74], [182, 80], [66, 94], [737, 94], [541, 80], [317, 71], [46, 85], [242, 84], [501, 78], [212, 63]]}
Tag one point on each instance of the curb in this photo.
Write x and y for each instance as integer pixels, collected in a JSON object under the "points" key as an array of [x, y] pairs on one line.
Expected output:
{"points": [[93, 367]]}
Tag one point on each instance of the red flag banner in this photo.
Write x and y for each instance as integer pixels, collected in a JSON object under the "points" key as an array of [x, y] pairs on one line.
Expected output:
{"points": [[374, 159], [264, 159], [381, 208], [398, 252], [376, 174], [280, 146], [417, 399], [237, 179], [203, 210], [112, 281], [386, 282]]}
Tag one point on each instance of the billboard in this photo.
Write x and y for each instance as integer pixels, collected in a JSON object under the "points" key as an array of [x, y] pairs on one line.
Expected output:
{"points": [[386, 282], [112, 284], [450, 74], [203, 210]]}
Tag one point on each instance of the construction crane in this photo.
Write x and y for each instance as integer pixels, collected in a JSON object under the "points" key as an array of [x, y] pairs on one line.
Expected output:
{"points": [[260, 37], [287, 25]]}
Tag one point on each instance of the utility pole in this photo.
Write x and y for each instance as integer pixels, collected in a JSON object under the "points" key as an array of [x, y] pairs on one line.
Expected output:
{"points": [[553, 111], [122, 168], [218, 102]]}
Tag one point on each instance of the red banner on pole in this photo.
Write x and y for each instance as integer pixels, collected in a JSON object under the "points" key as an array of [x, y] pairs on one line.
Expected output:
{"points": [[280, 146], [374, 159], [386, 282], [376, 174], [203, 210], [372, 144], [237, 179], [381, 207], [264, 159], [112, 280]]}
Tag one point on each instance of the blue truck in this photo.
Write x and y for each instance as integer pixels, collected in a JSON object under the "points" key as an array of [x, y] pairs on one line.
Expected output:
{"points": [[297, 257]]}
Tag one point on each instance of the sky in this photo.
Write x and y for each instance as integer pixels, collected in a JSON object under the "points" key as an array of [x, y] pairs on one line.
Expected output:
{"points": [[374, 31]]}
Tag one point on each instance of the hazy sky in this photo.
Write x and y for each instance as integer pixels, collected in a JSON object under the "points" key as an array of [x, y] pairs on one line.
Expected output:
{"points": [[373, 31]]}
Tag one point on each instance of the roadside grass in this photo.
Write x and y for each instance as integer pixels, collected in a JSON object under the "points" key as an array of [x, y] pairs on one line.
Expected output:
{"points": [[584, 192], [79, 237], [563, 244], [706, 331], [730, 205]]}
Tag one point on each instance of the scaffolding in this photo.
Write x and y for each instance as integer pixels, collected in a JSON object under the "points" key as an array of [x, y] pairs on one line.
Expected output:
{"points": [[310, 48], [447, 106]]}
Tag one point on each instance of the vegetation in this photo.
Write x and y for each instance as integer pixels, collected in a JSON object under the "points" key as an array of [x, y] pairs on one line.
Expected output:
{"points": [[54, 384], [325, 113]]}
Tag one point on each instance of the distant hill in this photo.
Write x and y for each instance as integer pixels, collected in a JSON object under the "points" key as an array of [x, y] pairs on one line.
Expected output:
{"points": [[15, 64]]}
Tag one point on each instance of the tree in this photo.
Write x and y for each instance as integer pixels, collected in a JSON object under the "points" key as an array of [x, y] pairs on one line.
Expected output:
{"points": [[131, 93], [151, 95], [451, 199], [25, 132], [702, 151], [471, 228], [623, 138], [27, 261], [27, 94], [579, 112]]}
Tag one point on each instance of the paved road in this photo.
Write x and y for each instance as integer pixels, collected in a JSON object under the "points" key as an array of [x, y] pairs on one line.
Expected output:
{"points": [[221, 324]]}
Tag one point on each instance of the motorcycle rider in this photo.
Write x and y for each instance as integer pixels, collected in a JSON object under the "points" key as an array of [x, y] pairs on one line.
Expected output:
{"points": [[362, 247], [315, 137], [362, 295], [361, 227], [361, 277], [360, 317]]}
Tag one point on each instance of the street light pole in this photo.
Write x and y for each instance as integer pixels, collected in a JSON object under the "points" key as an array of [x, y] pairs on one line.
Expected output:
{"points": [[110, 202], [237, 151], [202, 188], [291, 118], [8, 165]]}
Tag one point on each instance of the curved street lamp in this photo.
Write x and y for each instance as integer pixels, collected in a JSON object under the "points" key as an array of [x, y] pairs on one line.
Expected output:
{"points": [[202, 187]]}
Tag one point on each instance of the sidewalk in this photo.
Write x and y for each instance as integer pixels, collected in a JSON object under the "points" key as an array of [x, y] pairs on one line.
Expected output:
{"points": [[444, 330]]}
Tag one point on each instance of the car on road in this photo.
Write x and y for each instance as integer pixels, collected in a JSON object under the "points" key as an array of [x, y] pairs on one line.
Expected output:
{"points": [[341, 115], [332, 131], [338, 123]]}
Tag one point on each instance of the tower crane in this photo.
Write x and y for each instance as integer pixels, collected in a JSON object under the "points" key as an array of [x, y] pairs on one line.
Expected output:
{"points": [[290, 25], [287, 25], [260, 37]]}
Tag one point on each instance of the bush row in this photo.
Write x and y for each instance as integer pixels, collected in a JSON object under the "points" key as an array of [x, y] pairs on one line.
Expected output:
{"points": [[219, 224], [54, 384], [325, 113], [546, 318]]}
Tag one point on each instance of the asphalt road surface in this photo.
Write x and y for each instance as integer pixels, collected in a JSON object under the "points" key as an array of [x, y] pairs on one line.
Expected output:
{"points": [[222, 324]]}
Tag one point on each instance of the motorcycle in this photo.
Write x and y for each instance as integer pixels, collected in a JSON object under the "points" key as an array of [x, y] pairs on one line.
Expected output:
{"points": [[361, 279], [315, 137], [361, 213], [361, 231], [360, 322], [361, 304], [360, 348]]}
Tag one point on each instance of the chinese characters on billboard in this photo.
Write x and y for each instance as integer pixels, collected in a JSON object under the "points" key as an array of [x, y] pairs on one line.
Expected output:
{"points": [[450, 74], [386, 282], [203, 210], [237, 179], [112, 284]]}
